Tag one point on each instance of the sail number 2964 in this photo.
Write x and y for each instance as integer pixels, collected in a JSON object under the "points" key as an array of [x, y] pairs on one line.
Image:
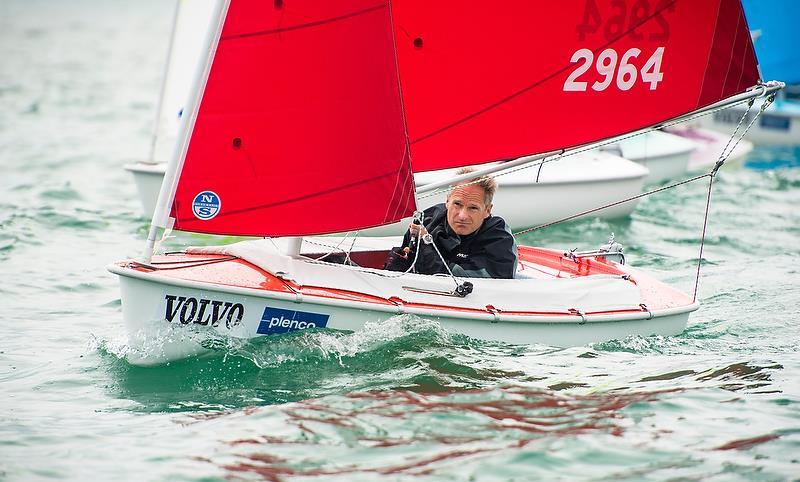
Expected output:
{"points": [[614, 70]]}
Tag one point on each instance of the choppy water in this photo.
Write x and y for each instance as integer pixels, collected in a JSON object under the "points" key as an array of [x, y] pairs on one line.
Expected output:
{"points": [[398, 401]]}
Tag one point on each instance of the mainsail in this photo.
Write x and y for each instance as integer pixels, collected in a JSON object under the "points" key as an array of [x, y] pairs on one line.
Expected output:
{"points": [[518, 77], [313, 112]]}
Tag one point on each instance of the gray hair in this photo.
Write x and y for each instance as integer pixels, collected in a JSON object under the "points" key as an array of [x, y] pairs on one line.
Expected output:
{"points": [[488, 184]]}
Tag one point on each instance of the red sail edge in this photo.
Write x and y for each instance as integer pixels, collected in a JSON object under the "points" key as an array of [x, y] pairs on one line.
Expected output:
{"points": [[491, 81], [300, 128]]}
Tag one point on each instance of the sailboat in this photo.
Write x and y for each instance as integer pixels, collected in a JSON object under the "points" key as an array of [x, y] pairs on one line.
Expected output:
{"points": [[665, 155], [184, 52], [774, 30], [709, 144], [311, 118]]}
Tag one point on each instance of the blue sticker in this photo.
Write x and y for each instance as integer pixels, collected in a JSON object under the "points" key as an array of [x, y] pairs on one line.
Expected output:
{"points": [[206, 205], [277, 320]]}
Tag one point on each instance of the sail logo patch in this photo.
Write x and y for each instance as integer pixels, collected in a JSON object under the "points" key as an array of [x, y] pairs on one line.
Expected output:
{"points": [[206, 205], [277, 320], [202, 311]]}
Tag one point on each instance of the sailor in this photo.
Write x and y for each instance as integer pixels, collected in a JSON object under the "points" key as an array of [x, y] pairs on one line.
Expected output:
{"points": [[472, 242]]}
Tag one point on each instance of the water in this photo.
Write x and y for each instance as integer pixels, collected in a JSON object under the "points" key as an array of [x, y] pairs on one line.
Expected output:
{"points": [[404, 400]]}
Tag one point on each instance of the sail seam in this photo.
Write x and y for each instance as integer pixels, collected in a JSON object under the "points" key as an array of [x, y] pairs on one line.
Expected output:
{"points": [[730, 58], [710, 57], [305, 25], [406, 163], [540, 82], [744, 53], [350, 185]]}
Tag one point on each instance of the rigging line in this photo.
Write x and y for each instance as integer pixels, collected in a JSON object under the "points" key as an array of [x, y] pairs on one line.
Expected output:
{"points": [[181, 264], [408, 180], [703, 237], [333, 248], [664, 6], [165, 74], [722, 158], [664, 188], [594, 145], [723, 155], [306, 25]]}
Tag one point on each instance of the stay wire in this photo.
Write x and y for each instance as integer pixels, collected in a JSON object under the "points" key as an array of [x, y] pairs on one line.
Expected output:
{"points": [[594, 146], [590, 211], [722, 158]]}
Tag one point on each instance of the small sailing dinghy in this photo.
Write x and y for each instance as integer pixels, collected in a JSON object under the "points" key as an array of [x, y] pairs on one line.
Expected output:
{"points": [[311, 118], [774, 30], [184, 52]]}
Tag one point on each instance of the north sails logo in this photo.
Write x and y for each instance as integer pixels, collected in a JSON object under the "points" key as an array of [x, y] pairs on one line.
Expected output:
{"points": [[461, 255], [202, 311], [206, 205]]}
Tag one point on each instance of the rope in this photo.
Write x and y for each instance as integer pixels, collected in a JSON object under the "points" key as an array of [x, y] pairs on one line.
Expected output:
{"points": [[703, 237], [596, 145], [711, 174], [722, 158], [568, 218], [452, 276]]}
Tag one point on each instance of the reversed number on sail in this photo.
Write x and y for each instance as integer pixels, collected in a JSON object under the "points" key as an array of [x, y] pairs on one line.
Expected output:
{"points": [[622, 18], [613, 69]]}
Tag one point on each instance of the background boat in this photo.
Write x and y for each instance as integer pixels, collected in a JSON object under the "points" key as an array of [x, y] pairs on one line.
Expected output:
{"points": [[665, 155], [773, 25], [569, 186]]}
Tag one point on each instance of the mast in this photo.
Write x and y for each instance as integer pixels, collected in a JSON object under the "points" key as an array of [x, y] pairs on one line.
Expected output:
{"points": [[159, 105], [166, 194]]}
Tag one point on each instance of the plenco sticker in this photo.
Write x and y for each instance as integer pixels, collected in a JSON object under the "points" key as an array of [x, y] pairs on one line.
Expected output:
{"points": [[206, 205]]}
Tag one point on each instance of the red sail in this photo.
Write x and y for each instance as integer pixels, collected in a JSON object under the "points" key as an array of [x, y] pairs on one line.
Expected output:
{"points": [[300, 129], [485, 81]]}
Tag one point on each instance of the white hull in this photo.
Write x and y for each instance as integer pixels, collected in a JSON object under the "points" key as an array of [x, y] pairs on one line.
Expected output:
{"points": [[710, 144], [148, 327], [568, 186], [666, 156], [168, 313], [778, 125], [148, 178]]}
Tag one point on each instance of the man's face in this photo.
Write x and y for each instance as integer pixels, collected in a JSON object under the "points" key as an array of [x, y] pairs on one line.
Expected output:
{"points": [[466, 209]]}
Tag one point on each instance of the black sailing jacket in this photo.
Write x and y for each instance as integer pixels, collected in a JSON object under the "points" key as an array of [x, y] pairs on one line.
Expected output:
{"points": [[489, 252]]}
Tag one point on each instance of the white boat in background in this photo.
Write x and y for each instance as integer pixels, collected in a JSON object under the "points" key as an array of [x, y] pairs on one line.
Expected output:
{"points": [[305, 121], [773, 27], [184, 54], [148, 177], [710, 145], [568, 186], [665, 155], [779, 124]]}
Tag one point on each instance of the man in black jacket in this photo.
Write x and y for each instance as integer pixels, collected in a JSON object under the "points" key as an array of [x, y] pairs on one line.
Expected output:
{"points": [[473, 243]]}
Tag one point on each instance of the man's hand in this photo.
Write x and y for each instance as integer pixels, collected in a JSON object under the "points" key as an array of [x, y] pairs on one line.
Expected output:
{"points": [[417, 230]]}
